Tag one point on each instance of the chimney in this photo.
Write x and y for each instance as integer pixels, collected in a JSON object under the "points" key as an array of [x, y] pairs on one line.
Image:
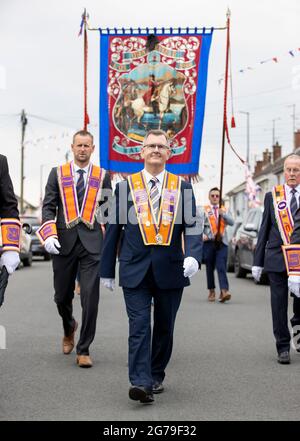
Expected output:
{"points": [[296, 140], [276, 152], [258, 167], [266, 158]]}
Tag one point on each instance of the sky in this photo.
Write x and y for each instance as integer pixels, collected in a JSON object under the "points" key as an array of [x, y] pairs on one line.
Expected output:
{"points": [[41, 71]]}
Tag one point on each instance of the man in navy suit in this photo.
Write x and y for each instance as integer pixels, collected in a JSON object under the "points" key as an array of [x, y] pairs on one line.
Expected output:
{"points": [[277, 225], [157, 213]]}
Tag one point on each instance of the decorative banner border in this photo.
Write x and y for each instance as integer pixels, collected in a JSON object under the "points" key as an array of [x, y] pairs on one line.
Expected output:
{"points": [[142, 90]]}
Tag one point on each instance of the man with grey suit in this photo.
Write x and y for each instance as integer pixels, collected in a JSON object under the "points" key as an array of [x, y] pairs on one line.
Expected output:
{"points": [[215, 245], [70, 231]]}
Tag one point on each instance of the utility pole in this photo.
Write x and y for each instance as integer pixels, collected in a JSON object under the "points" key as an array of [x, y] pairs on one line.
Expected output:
{"points": [[294, 118], [273, 130], [24, 124]]}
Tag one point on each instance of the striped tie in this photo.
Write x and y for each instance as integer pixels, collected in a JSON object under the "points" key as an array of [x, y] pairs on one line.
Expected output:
{"points": [[80, 187], [154, 195], [293, 203]]}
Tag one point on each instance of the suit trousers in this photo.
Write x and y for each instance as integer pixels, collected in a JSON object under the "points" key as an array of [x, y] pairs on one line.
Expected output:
{"points": [[147, 364], [215, 259], [279, 306], [65, 270]]}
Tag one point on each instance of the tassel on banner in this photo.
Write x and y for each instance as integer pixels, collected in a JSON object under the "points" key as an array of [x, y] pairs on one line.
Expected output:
{"points": [[233, 126]]}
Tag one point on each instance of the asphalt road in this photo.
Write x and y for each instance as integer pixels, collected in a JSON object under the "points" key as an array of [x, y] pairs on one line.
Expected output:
{"points": [[223, 365]]}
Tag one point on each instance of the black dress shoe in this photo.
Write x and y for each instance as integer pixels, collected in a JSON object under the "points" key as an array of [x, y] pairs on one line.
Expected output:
{"points": [[140, 393], [157, 388], [284, 358]]}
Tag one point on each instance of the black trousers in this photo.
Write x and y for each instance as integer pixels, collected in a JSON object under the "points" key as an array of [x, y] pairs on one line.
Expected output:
{"points": [[65, 269], [147, 362], [279, 306]]}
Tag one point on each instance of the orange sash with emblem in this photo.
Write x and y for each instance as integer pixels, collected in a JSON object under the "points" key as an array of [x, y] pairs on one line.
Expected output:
{"points": [[155, 231], [66, 182], [283, 214], [213, 222]]}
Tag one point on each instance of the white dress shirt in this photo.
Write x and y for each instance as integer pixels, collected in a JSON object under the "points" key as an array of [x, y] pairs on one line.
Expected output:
{"points": [[289, 194], [85, 175], [160, 178]]}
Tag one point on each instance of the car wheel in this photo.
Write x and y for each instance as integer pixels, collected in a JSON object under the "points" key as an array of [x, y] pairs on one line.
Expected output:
{"points": [[240, 272], [47, 257], [28, 260]]}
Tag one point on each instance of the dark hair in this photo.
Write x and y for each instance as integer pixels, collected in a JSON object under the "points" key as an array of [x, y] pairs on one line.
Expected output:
{"points": [[214, 189], [83, 133], [156, 132]]}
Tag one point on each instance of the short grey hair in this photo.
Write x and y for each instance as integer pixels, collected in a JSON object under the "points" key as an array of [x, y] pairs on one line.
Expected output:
{"points": [[157, 132], [291, 156]]}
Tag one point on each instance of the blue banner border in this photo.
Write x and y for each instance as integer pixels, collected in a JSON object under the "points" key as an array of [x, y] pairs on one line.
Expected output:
{"points": [[131, 167]]}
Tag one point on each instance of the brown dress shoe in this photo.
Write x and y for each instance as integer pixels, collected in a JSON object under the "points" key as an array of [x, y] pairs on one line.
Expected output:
{"points": [[211, 296], [224, 296], [84, 361], [68, 342]]}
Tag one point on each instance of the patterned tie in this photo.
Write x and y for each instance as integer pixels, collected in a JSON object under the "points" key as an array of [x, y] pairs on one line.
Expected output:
{"points": [[80, 187], [293, 203], [215, 207], [154, 195]]}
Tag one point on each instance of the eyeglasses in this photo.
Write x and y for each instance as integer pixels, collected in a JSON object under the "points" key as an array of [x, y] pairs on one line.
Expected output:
{"points": [[214, 195], [160, 147]]}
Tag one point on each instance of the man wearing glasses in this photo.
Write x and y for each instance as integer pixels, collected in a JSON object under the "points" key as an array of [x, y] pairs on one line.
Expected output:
{"points": [[72, 234], [215, 247], [280, 212], [157, 211]]}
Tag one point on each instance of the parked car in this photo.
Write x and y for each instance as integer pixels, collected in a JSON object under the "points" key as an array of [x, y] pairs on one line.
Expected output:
{"points": [[246, 244], [232, 234], [36, 246], [26, 248]]}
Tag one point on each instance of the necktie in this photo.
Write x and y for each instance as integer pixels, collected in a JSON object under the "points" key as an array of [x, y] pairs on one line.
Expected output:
{"points": [[154, 195], [293, 203], [80, 188], [216, 213]]}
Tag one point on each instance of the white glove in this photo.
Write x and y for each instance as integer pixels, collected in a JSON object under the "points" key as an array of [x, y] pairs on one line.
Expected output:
{"points": [[51, 244], [11, 260], [294, 285], [257, 272], [108, 283], [190, 266]]}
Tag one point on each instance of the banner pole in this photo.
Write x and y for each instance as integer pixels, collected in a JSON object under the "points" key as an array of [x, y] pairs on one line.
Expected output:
{"points": [[218, 237], [86, 120]]}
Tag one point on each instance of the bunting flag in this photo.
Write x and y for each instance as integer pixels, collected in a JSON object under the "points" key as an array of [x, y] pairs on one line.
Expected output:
{"points": [[291, 53], [142, 89], [252, 189]]}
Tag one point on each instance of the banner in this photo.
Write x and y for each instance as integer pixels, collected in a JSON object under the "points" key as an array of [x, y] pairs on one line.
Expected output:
{"points": [[160, 89]]}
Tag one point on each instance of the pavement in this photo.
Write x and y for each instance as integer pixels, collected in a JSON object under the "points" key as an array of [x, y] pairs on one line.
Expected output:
{"points": [[223, 365]]}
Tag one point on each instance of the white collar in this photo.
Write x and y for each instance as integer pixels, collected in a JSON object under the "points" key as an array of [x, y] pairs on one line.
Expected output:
{"points": [[160, 176], [289, 189], [76, 167]]}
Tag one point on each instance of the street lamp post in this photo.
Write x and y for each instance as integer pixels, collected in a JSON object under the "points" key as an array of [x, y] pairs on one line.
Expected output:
{"points": [[248, 135], [273, 129]]}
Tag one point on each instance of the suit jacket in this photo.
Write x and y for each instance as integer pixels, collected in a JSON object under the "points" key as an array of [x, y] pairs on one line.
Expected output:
{"points": [[206, 229], [135, 257], [91, 239], [268, 253], [8, 200], [295, 237]]}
